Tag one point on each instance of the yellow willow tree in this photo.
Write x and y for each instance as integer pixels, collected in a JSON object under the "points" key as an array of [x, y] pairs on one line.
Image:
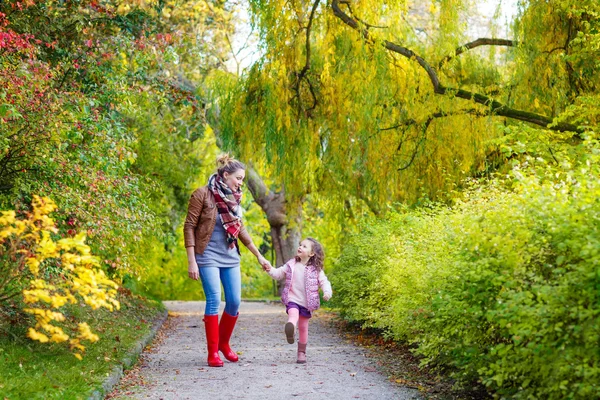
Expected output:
{"points": [[351, 101]]}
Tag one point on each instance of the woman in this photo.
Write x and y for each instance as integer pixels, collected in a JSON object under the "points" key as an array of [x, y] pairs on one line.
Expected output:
{"points": [[211, 231]]}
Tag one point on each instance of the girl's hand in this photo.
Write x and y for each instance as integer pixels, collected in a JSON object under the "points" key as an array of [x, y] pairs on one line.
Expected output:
{"points": [[266, 265], [193, 272], [326, 297]]}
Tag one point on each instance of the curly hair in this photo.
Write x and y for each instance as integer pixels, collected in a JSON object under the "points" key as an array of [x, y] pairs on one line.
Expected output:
{"points": [[317, 259]]}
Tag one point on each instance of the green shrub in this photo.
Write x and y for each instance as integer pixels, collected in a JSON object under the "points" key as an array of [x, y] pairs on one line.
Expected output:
{"points": [[359, 288], [504, 287]]}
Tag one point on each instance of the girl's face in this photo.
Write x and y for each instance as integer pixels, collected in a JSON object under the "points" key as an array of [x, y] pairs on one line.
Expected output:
{"points": [[236, 180], [305, 250]]}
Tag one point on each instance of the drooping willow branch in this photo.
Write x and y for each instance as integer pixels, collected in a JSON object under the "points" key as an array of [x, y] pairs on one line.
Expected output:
{"points": [[422, 132], [476, 43], [441, 114], [307, 45], [347, 4], [302, 74], [495, 106]]}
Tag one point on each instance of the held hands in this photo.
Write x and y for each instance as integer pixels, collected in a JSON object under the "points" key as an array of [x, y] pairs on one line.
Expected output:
{"points": [[266, 265]]}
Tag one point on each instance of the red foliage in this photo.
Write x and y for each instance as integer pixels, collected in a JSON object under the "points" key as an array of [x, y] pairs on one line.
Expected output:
{"points": [[12, 42]]}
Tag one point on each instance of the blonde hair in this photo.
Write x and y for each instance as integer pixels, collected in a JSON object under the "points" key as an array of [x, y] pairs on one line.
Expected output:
{"points": [[226, 163]]}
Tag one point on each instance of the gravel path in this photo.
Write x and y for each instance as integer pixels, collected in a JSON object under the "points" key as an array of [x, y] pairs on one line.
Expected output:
{"points": [[176, 368]]}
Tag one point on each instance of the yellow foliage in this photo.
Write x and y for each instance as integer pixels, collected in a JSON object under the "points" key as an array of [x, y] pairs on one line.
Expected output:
{"points": [[81, 280], [85, 333], [35, 335], [34, 265], [126, 6]]}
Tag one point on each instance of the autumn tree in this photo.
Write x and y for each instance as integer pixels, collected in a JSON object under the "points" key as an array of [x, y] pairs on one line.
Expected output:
{"points": [[96, 113], [351, 103]]}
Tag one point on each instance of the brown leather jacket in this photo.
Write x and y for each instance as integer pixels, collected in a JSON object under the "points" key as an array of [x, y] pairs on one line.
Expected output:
{"points": [[200, 221]]}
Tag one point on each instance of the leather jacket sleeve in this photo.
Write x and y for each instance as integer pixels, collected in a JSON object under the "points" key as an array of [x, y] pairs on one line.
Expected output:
{"points": [[191, 220]]}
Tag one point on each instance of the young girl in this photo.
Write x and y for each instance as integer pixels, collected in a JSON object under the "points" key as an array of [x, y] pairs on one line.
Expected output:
{"points": [[303, 276]]}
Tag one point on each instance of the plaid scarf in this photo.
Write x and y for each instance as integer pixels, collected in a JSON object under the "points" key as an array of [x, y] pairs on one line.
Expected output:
{"points": [[228, 204]]}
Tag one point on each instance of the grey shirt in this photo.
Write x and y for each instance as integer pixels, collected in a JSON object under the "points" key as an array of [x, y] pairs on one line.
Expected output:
{"points": [[217, 252]]}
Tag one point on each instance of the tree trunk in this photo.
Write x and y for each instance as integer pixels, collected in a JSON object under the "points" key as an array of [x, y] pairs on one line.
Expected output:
{"points": [[285, 234]]}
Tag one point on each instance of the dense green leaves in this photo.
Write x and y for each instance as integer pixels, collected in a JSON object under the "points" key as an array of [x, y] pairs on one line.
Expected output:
{"points": [[102, 111], [502, 287]]}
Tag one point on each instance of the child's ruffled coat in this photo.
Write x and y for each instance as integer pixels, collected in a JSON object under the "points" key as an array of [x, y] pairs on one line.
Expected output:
{"points": [[313, 279]]}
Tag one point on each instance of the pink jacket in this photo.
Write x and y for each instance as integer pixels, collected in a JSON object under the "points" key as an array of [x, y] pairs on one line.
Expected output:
{"points": [[313, 279]]}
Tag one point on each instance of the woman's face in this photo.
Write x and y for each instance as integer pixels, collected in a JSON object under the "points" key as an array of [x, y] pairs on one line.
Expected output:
{"points": [[235, 181]]}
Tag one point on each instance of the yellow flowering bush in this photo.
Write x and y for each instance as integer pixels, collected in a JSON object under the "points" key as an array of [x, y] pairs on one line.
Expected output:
{"points": [[26, 247]]}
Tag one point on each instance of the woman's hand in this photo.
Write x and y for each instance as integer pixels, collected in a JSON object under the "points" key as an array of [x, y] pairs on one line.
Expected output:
{"points": [[266, 265], [193, 272]]}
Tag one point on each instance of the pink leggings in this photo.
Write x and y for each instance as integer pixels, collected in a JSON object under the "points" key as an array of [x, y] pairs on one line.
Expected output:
{"points": [[302, 323]]}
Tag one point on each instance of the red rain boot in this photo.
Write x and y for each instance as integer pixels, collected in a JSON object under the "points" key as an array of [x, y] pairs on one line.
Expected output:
{"points": [[211, 323], [225, 330]]}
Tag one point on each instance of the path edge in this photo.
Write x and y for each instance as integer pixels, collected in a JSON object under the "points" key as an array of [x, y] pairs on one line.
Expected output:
{"points": [[129, 359]]}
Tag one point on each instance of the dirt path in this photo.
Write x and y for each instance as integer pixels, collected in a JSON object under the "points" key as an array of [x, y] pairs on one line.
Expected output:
{"points": [[176, 368]]}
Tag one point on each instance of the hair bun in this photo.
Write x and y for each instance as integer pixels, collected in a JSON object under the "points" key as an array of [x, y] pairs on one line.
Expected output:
{"points": [[226, 163], [223, 160]]}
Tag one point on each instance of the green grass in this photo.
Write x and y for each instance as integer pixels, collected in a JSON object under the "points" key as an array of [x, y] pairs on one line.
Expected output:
{"points": [[31, 370]]}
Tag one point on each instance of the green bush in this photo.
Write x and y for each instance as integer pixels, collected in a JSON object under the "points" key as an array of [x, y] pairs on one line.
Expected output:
{"points": [[504, 287]]}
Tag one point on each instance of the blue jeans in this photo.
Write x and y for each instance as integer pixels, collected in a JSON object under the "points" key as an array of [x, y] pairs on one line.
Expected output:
{"points": [[211, 278]]}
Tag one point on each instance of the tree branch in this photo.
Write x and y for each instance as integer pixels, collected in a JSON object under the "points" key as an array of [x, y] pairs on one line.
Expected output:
{"points": [[440, 114], [347, 3], [424, 127], [476, 43], [416, 150], [302, 74], [495, 106], [308, 27]]}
